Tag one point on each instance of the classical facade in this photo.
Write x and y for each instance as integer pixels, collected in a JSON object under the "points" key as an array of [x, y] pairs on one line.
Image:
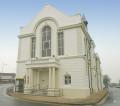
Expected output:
{"points": [[56, 56]]}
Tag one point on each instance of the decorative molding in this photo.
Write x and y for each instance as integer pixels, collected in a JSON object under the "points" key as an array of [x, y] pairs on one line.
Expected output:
{"points": [[58, 57], [21, 61], [59, 28], [45, 19], [26, 35], [71, 57], [69, 26]]}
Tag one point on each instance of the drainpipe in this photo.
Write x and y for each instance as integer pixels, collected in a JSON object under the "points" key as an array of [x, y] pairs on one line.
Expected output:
{"points": [[90, 67]]}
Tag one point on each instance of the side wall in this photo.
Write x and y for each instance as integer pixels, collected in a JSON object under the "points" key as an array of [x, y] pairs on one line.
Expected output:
{"points": [[23, 55], [76, 67]]}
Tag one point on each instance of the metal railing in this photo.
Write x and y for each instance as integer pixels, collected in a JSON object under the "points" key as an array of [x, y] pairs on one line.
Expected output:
{"points": [[37, 90]]}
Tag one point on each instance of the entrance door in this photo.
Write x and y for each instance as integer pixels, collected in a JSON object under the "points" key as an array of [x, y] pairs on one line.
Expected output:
{"points": [[19, 85], [44, 79]]}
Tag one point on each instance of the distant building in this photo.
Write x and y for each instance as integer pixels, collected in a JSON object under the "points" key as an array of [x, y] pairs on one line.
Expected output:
{"points": [[56, 56], [7, 77]]}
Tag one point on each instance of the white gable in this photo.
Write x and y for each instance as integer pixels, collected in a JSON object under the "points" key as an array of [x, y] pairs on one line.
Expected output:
{"points": [[51, 12]]}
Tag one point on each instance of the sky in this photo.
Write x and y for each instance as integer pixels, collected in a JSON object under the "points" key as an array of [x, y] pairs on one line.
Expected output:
{"points": [[103, 25]]}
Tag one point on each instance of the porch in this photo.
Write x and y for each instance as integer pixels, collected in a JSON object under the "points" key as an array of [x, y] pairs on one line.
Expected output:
{"points": [[41, 77]]}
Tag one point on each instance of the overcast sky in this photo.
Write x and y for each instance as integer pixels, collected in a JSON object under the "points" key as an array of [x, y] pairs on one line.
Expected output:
{"points": [[104, 27]]}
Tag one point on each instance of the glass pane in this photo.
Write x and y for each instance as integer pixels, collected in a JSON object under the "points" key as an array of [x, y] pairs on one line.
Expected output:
{"points": [[43, 53], [60, 44], [66, 82], [49, 37], [33, 47], [46, 45], [59, 52], [69, 77], [49, 52], [65, 77], [43, 37], [46, 41], [69, 81]]}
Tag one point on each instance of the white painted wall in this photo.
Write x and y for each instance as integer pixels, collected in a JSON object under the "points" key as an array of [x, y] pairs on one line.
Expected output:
{"points": [[76, 68], [70, 42], [21, 68], [24, 48]]}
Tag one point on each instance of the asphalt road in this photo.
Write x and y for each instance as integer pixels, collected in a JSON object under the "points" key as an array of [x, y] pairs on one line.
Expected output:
{"points": [[6, 100], [114, 98]]}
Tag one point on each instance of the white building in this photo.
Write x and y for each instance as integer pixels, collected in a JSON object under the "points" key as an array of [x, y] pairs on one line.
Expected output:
{"points": [[56, 56]]}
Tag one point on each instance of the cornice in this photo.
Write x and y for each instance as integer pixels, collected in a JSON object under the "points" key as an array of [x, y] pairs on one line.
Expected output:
{"points": [[58, 57], [87, 35], [59, 29], [71, 57], [21, 61], [26, 35], [69, 26]]}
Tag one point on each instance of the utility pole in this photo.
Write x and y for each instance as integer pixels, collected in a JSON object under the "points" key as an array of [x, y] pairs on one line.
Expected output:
{"points": [[3, 67]]}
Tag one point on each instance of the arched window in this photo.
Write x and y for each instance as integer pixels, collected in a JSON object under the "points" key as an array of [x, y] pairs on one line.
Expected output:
{"points": [[46, 41], [67, 79]]}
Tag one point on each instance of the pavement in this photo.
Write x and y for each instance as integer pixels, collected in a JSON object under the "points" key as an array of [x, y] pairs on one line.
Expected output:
{"points": [[91, 100], [6, 100], [27, 100]]}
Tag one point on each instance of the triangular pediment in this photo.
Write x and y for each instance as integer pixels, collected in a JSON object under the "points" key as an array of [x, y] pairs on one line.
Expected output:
{"points": [[50, 11]]}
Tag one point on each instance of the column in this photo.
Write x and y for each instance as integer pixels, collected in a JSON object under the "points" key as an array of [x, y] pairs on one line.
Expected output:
{"points": [[50, 81], [38, 79], [26, 82], [53, 77], [30, 78], [35, 79], [29, 81]]}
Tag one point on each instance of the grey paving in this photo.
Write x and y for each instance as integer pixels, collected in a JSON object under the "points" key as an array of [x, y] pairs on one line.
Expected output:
{"points": [[114, 99], [5, 100]]}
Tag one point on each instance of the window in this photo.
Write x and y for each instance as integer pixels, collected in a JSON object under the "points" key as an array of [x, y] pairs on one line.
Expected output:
{"points": [[33, 47], [46, 41], [67, 79], [60, 43]]}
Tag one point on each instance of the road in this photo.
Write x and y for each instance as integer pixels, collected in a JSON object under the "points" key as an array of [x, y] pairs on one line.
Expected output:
{"points": [[6, 100], [114, 99]]}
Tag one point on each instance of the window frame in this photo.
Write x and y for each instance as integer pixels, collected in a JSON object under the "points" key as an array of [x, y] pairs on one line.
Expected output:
{"points": [[67, 79], [60, 43], [46, 41], [33, 47]]}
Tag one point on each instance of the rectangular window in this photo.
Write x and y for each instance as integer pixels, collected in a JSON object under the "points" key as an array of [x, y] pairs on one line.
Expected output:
{"points": [[60, 43], [33, 47], [67, 79]]}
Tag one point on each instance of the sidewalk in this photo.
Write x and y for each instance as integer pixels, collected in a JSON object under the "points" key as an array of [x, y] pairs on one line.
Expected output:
{"points": [[91, 100]]}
